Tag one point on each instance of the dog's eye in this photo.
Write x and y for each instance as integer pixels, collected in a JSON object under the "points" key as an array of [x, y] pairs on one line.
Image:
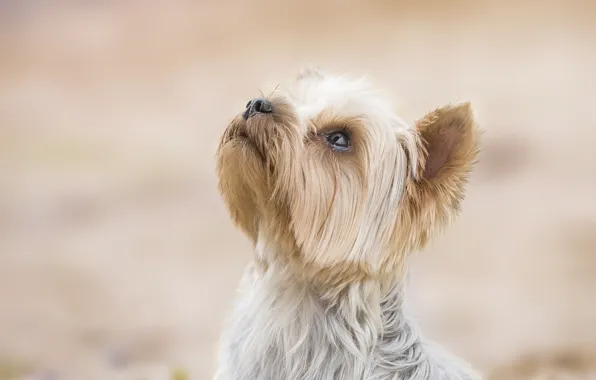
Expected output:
{"points": [[338, 140]]}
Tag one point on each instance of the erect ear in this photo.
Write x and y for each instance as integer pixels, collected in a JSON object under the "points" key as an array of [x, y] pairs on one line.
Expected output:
{"points": [[447, 153], [450, 146]]}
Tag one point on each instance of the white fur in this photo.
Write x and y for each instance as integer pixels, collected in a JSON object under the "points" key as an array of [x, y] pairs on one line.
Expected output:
{"points": [[281, 329], [285, 328], [368, 215]]}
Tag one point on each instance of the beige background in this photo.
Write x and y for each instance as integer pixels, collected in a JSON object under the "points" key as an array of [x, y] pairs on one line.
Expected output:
{"points": [[117, 259]]}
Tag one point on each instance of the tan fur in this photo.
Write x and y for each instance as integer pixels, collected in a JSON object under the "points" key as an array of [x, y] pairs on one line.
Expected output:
{"points": [[285, 187], [332, 229], [447, 147]]}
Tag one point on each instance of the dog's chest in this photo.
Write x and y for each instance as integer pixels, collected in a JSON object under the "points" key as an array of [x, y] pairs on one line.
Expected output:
{"points": [[276, 362], [283, 332]]}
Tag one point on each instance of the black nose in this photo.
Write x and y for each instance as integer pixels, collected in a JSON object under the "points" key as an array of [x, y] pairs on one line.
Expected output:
{"points": [[256, 106]]}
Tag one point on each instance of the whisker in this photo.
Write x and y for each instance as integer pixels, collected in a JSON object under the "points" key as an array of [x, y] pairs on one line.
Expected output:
{"points": [[273, 92]]}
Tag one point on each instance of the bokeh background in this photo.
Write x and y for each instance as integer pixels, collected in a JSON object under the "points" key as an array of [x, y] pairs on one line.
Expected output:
{"points": [[117, 258]]}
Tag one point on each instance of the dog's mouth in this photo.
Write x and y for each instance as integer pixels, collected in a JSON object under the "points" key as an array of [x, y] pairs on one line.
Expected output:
{"points": [[242, 135]]}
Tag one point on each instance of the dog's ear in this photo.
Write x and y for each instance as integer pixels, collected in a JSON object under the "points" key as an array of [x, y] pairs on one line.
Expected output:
{"points": [[446, 153], [449, 140]]}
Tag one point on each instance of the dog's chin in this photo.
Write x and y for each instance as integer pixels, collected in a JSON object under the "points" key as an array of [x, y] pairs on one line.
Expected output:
{"points": [[249, 143], [238, 133], [243, 137]]}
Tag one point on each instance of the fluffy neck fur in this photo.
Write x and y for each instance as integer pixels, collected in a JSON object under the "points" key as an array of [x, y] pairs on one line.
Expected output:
{"points": [[284, 329]]}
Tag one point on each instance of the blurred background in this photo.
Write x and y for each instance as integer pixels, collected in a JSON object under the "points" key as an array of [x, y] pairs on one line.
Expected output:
{"points": [[117, 257]]}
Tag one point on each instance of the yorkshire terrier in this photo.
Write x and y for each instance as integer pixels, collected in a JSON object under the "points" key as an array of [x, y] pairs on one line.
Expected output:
{"points": [[334, 190]]}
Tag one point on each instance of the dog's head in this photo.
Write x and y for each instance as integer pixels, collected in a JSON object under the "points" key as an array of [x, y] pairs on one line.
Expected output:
{"points": [[327, 175]]}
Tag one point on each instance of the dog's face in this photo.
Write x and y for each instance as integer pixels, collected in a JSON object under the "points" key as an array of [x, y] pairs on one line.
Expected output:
{"points": [[326, 176]]}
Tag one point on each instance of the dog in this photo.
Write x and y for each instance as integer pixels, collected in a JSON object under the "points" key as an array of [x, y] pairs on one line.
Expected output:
{"points": [[335, 190]]}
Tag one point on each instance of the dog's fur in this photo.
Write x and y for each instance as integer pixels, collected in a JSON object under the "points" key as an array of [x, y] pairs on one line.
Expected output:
{"points": [[324, 297]]}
